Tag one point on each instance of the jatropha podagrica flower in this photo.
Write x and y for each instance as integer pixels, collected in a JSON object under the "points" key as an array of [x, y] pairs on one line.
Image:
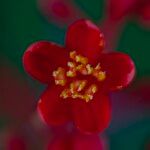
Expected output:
{"points": [[79, 77], [61, 12], [120, 9], [77, 141]]}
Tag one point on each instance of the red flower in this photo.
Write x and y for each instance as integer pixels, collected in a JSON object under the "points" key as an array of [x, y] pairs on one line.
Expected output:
{"points": [[61, 12], [16, 143], [78, 90], [77, 141], [119, 9]]}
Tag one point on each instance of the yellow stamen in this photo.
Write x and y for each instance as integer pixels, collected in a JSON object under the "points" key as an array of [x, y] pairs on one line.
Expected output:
{"points": [[76, 95], [71, 64], [76, 89], [60, 82], [78, 58], [59, 76], [81, 59], [89, 93], [77, 86], [87, 97], [72, 69], [65, 93], [82, 85], [91, 90], [98, 67], [71, 74], [73, 55], [101, 76], [82, 69], [89, 69]]}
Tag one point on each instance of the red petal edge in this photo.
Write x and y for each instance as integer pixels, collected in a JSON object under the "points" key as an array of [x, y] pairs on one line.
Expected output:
{"points": [[52, 109], [86, 38], [94, 116], [41, 58], [119, 68]]}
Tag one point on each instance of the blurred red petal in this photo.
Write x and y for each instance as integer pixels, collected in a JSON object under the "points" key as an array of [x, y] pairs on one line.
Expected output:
{"points": [[144, 14], [16, 99], [118, 9], [61, 9], [16, 143], [76, 141], [87, 142], [62, 12]]}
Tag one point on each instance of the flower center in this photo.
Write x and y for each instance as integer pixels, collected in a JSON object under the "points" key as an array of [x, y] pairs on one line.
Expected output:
{"points": [[78, 88]]}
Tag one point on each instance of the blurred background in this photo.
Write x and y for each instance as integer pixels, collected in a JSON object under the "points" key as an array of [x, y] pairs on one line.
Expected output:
{"points": [[126, 26]]}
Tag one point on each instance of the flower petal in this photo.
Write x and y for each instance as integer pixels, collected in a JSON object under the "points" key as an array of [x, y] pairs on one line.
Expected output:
{"points": [[94, 116], [86, 38], [119, 69], [144, 14], [76, 141], [41, 58], [61, 12], [118, 9], [15, 142], [52, 109], [87, 142]]}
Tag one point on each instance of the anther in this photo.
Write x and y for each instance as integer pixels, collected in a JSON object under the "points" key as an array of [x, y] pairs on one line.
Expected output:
{"points": [[65, 93], [100, 75], [91, 90], [73, 55], [59, 76], [98, 67], [78, 58], [89, 69], [72, 69], [81, 59], [76, 89], [77, 86]]}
